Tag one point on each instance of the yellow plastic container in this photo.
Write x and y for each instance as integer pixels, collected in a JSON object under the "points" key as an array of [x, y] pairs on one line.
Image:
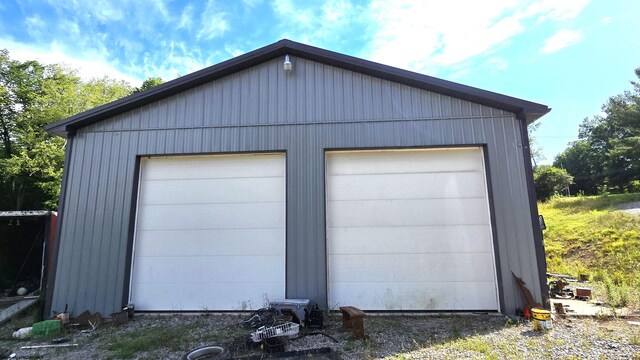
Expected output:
{"points": [[542, 320]]}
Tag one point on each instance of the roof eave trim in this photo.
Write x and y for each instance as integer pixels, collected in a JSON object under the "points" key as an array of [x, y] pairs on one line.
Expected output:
{"points": [[531, 110]]}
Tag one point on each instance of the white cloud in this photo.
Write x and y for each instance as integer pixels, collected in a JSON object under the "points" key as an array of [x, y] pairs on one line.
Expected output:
{"points": [[186, 18], [557, 9], [421, 35], [213, 22], [336, 10], [328, 22], [296, 15], [561, 40], [173, 59], [89, 65], [233, 51], [35, 25], [104, 11], [162, 8], [432, 34], [606, 20], [251, 3], [498, 63]]}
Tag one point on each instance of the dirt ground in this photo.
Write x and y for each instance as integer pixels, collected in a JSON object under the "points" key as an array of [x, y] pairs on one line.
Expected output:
{"points": [[470, 336]]}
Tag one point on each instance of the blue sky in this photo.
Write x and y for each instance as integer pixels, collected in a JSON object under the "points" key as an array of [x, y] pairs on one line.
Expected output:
{"points": [[568, 54]]}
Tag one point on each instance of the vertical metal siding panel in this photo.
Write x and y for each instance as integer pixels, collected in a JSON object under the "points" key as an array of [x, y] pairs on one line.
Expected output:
{"points": [[347, 102], [301, 271], [280, 95], [356, 96], [406, 110], [417, 102], [162, 118], [178, 111], [504, 216], [208, 104], [445, 103], [292, 233], [376, 101], [225, 101], [120, 243], [235, 101], [339, 94], [108, 212], [244, 97], [289, 96], [143, 117], [496, 166], [273, 89], [470, 135], [197, 113], [67, 253], [310, 92], [265, 103], [328, 95], [133, 119], [298, 112], [319, 99], [367, 98], [97, 219], [79, 263], [522, 223]]}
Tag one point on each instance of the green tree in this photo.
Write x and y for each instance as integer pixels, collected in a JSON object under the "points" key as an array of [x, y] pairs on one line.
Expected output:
{"points": [[584, 165], [31, 96], [534, 147], [149, 83], [614, 139], [550, 181]]}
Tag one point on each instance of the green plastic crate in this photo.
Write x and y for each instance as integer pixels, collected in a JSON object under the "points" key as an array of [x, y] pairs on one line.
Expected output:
{"points": [[46, 328]]}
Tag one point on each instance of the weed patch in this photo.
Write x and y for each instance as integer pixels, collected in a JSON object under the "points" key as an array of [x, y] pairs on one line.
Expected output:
{"points": [[586, 235], [149, 339]]}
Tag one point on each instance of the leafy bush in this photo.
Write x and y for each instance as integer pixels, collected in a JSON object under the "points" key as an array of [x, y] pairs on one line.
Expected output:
{"points": [[550, 181]]}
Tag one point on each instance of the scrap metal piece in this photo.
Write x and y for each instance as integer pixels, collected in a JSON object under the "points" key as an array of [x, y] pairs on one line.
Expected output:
{"points": [[526, 293], [16, 309]]}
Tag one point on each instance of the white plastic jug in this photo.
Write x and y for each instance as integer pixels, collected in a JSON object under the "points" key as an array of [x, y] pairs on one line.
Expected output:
{"points": [[22, 333]]}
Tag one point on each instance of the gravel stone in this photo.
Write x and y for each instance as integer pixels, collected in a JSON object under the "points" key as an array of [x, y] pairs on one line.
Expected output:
{"points": [[468, 336]]}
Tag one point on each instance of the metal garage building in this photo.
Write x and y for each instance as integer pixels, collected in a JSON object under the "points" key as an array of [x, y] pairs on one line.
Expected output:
{"points": [[344, 181]]}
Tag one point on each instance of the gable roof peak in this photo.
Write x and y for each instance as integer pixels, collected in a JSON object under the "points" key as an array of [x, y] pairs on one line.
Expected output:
{"points": [[524, 110]]}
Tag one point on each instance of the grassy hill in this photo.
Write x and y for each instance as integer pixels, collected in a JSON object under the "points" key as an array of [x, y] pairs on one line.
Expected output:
{"points": [[588, 235]]}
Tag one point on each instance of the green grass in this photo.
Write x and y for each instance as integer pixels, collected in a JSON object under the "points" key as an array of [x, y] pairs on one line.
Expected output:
{"points": [[475, 344], [127, 345], [586, 235], [148, 339]]}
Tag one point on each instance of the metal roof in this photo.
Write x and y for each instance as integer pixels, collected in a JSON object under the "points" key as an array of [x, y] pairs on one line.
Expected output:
{"points": [[526, 110]]}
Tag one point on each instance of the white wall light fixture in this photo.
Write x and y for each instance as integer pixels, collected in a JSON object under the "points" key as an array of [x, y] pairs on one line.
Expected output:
{"points": [[288, 67]]}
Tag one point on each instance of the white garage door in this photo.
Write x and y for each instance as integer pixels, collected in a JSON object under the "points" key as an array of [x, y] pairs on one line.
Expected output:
{"points": [[409, 230], [210, 232]]}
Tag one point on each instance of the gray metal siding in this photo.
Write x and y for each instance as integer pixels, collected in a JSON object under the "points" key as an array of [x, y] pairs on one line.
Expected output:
{"points": [[318, 107], [313, 93]]}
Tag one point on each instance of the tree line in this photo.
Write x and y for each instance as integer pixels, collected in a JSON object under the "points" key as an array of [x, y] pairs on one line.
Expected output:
{"points": [[32, 95], [606, 156]]}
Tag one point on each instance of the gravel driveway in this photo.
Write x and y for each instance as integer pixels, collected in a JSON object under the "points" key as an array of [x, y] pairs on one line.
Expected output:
{"points": [[632, 208], [390, 336]]}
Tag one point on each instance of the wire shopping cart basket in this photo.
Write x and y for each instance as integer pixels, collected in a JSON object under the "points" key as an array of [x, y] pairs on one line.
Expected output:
{"points": [[286, 329]]}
